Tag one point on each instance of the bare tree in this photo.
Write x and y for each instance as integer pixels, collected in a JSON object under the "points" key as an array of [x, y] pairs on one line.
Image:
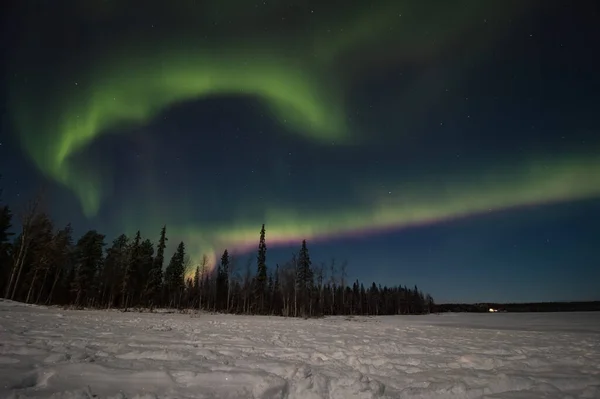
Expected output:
{"points": [[287, 282], [247, 280], [43, 253], [57, 276], [27, 218], [62, 248]]}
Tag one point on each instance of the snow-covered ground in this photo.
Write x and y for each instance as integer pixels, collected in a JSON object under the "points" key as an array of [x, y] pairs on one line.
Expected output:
{"points": [[51, 352]]}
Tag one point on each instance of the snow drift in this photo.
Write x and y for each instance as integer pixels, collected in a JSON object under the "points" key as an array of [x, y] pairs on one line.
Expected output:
{"points": [[50, 352]]}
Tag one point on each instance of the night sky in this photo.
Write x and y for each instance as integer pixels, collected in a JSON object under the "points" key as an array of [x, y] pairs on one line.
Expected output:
{"points": [[449, 144]]}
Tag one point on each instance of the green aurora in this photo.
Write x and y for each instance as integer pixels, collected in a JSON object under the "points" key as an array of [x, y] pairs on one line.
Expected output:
{"points": [[296, 77], [542, 181]]}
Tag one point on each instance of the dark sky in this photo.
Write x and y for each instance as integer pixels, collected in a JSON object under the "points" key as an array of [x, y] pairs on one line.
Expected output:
{"points": [[449, 144]]}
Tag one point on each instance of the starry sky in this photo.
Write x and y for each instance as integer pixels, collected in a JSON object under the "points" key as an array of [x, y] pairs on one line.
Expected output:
{"points": [[450, 144]]}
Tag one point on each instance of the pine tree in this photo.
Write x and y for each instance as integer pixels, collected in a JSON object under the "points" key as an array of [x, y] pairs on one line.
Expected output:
{"points": [[196, 286], [61, 260], [31, 254], [174, 275], [5, 234], [188, 291], [261, 273], [47, 268], [21, 247], [5, 226], [159, 259], [5, 246], [355, 298], [222, 285], [374, 294], [113, 271], [247, 286], [131, 271], [270, 288], [429, 303], [304, 279], [225, 262], [88, 261], [145, 267], [206, 287], [320, 276], [67, 287], [203, 280], [277, 293], [155, 276], [310, 286], [40, 253]]}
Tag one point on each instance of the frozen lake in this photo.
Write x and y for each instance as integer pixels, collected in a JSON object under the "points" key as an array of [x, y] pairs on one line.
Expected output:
{"points": [[51, 352]]}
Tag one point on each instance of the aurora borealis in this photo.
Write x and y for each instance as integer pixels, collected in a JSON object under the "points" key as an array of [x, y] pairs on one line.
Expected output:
{"points": [[326, 121]]}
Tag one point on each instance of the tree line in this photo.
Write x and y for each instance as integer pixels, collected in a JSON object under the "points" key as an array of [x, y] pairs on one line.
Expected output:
{"points": [[522, 307], [42, 264]]}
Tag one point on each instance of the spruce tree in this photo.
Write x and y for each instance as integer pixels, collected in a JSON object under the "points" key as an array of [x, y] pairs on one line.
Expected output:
{"points": [[39, 254], [131, 272], [205, 294], [203, 281], [68, 289], [363, 300], [269, 296], [304, 279], [113, 271], [49, 269], [5, 225], [159, 259], [261, 272], [155, 276], [196, 286], [374, 293], [88, 261], [145, 267], [5, 235], [62, 251], [276, 293], [429, 303], [174, 275], [223, 281]]}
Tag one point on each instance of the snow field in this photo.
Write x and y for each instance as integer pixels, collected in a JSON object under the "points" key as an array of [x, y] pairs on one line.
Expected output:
{"points": [[51, 352]]}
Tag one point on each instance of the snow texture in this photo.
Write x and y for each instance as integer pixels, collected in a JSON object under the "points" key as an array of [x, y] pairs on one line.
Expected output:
{"points": [[56, 353]]}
